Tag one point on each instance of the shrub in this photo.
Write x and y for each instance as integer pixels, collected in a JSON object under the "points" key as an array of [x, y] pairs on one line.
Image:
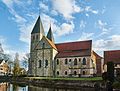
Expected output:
{"points": [[110, 71], [116, 85]]}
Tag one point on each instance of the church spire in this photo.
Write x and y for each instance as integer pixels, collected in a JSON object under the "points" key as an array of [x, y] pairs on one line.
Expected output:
{"points": [[50, 34], [38, 27]]}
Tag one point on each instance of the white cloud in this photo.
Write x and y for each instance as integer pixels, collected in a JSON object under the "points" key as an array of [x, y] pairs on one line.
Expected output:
{"points": [[65, 28], [82, 24], [103, 26], [112, 43], [66, 7], [43, 6], [86, 36], [89, 9], [58, 29]]}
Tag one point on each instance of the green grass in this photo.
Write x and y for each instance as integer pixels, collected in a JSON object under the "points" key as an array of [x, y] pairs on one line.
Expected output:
{"points": [[50, 78]]}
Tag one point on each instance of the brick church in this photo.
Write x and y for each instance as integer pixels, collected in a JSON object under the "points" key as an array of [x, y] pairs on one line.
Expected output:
{"points": [[69, 59]]}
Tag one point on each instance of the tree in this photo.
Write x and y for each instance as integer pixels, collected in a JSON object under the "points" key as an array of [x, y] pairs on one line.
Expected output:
{"points": [[16, 69], [110, 71], [25, 60]]}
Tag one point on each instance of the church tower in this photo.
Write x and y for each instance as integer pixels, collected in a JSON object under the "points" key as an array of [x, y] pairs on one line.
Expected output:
{"points": [[36, 35], [50, 35]]}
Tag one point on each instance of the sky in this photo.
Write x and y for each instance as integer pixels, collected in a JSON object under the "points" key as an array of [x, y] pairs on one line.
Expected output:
{"points": [[71, 20]]}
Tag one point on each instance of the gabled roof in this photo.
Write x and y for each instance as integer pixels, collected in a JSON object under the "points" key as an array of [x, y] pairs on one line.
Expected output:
{"points": [[74, 49], [50, 35], [112, 55], [50, 42], [96, 55], [38, 27]]}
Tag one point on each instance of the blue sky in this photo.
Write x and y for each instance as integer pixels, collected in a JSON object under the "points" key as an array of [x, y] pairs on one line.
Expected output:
{"points": [[71, 20]]}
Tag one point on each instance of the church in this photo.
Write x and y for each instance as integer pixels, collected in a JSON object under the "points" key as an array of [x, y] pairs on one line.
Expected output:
{"points": [[68, 59]]}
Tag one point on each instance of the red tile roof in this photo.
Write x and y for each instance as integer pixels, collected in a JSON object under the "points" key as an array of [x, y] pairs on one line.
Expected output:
{"points": [[113, 55], [70, 49]]}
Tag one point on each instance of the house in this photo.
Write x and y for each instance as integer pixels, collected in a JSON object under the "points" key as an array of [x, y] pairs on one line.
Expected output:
{"points": [[69, 59], [112, 56], [3, 67]]}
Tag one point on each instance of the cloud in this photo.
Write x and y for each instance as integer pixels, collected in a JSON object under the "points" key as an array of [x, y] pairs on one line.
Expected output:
{"points": [[43, 6], [82, 24], [86, 36], [65, 28], [103, 26], [112, 43], [66, 7], [89, 9]]}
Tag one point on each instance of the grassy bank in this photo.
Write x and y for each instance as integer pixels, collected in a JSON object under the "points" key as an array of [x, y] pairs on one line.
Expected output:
{"points": [[81, 79]]}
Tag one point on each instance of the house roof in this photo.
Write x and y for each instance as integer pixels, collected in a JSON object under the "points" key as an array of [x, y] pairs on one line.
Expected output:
{"points": [[97, 56], [74, 49], [51, 43], [1, 61], [113, 55]]}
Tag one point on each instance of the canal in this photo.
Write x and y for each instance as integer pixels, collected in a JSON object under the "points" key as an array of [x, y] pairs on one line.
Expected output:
{"points": [[5, 86]]}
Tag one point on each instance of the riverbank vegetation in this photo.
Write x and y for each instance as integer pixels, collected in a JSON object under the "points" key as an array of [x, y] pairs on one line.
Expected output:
{"points": [[51, 78]]}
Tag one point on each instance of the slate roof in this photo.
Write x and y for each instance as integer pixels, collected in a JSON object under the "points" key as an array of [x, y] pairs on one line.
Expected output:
{"points": [[50, 35], [38, 27], [74, 49], [113, 55]]}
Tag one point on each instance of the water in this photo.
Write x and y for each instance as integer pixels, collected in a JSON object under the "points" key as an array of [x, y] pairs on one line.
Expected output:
{"points": [[15, 87]]}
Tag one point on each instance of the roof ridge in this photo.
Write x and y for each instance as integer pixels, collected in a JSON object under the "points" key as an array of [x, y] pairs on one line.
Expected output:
{"points": [[73, 42]]}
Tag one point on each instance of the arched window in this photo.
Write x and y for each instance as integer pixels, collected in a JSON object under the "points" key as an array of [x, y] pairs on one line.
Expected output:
{"points": [[39, 63], [84, 61], [65, 72], [57, 61], [83, 72], [66, 61], [75, 73], [69, 60], [33, 37], [79, 59], [46, 63], [57, 72], [36, 37], [75, 61]]}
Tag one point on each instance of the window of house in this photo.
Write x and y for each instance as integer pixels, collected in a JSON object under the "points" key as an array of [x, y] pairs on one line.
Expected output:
{"points": [[39, 63], [75, 61], [65, 72], [33, 37], [69, 60], [83, 72], [79, 59], [57, 61], [57, 72], [75, 73], [84, 61], [37, 37], [66, 61], [46, 63]]}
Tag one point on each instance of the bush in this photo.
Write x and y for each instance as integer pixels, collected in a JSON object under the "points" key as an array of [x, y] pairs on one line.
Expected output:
{"points": [[116, 85], [110, 71], [104, 76]]}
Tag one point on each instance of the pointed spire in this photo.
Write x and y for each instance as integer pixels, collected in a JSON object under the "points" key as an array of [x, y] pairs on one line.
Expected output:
{"points": [[38, 27], [50, 34]]}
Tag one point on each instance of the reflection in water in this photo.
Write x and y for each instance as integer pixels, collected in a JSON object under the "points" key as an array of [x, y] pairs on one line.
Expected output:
{"points": [[16, 87]]}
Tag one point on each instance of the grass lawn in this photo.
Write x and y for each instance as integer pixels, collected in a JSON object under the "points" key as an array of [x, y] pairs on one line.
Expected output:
{"points": [[85, 79]]}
